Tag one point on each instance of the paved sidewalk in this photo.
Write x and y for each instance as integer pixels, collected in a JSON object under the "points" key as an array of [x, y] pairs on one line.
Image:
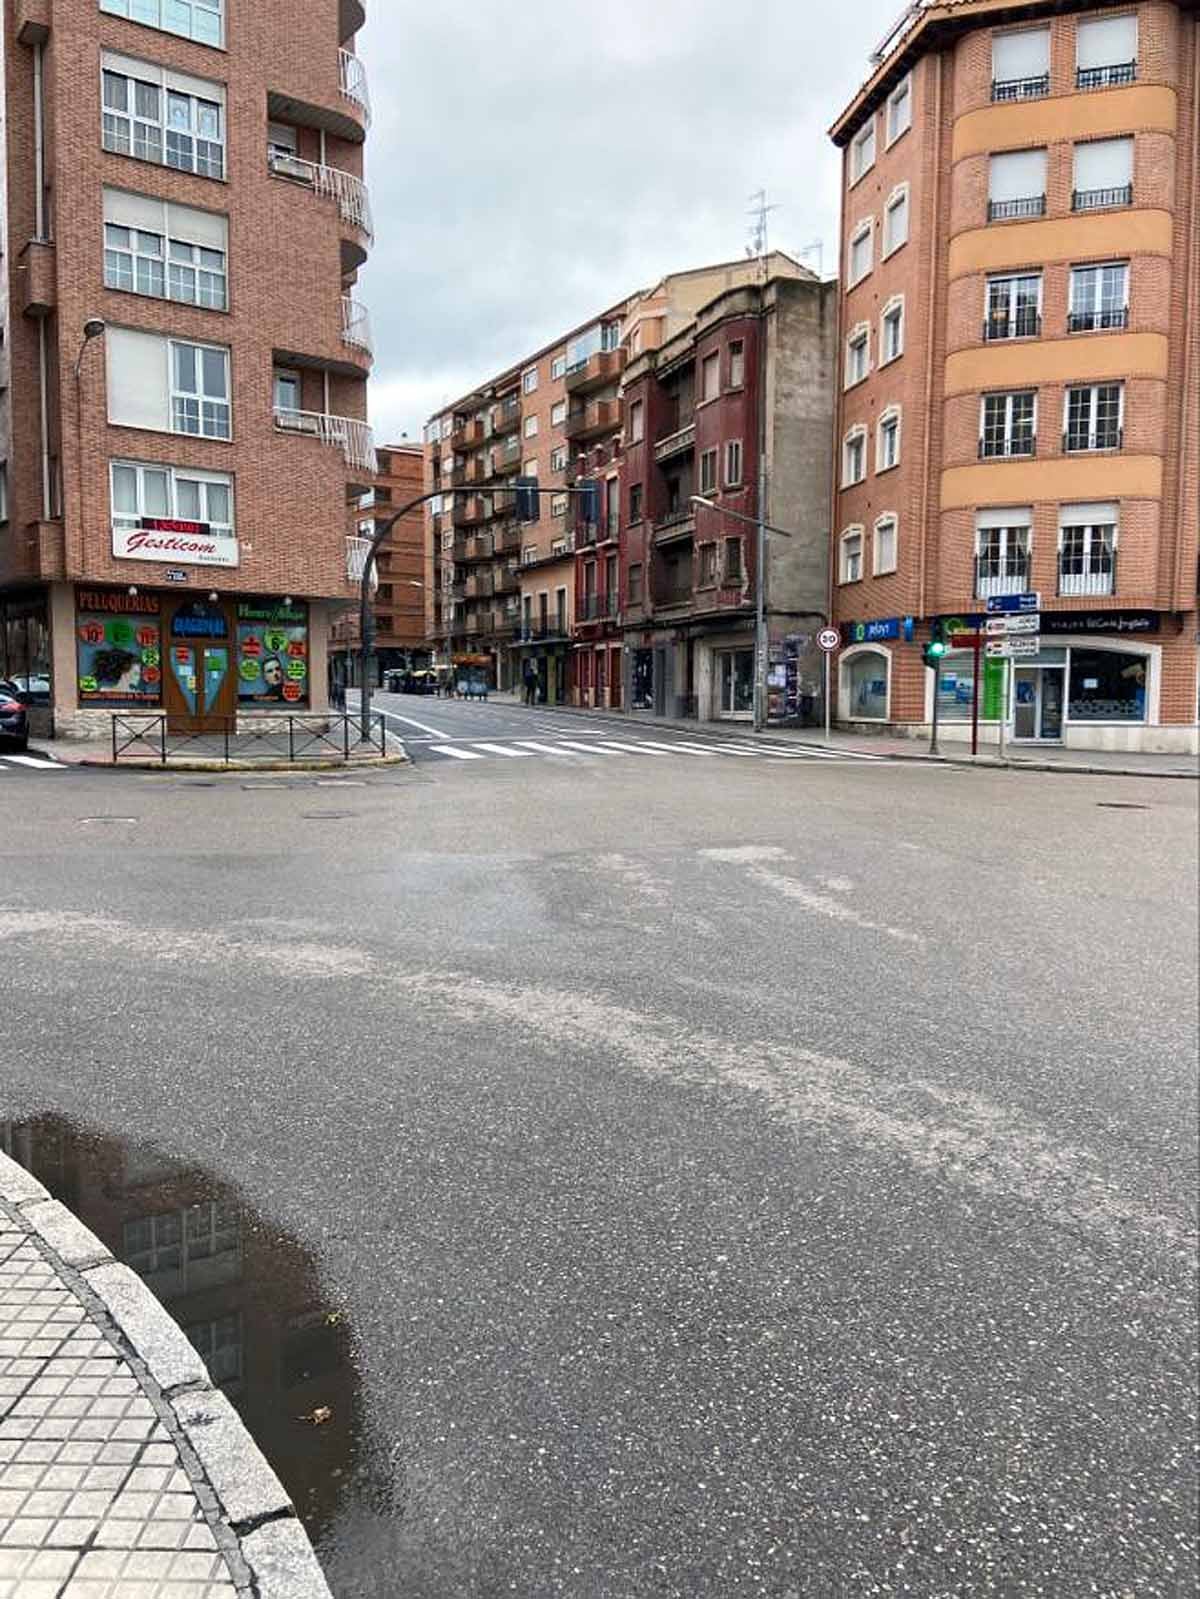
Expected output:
{"points": [[123, 1473], [208, 755]]}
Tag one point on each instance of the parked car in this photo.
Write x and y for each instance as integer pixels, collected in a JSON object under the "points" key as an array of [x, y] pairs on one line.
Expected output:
{"points": [[34, 690], [14, 715]]}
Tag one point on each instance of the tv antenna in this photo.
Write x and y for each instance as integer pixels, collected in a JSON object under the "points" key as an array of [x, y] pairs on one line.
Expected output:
{"points": [[759, 213], [817, 248]]}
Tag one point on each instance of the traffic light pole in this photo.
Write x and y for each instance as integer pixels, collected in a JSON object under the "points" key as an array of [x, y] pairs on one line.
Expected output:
{"points": [[933, 729]]}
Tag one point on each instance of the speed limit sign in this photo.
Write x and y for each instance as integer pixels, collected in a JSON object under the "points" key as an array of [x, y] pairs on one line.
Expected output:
{"points": [[829, 638]]}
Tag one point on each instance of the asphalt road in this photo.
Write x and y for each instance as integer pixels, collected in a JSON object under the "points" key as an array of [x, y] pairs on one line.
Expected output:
{"points": [[740, 1176]]}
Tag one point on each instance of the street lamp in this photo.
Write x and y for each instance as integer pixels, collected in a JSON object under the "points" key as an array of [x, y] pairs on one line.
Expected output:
{"points": [[93, 328], [760, 593]]}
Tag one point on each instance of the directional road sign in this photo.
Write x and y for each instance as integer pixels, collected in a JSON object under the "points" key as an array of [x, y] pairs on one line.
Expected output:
{"points": [[1021, 644], [1002, 604]]}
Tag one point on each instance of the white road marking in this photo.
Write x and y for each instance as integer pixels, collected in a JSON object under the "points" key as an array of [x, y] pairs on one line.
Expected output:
{"points": [[500, 749], [542, 749], [41, 764], [586, 749], [459, 755], [631, 749], [672, 749], [425, 728]]}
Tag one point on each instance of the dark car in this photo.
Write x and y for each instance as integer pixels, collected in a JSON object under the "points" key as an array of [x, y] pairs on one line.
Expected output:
{"points": [[14, 715]]}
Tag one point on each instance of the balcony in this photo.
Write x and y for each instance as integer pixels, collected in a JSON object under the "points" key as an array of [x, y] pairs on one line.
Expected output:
{"points": [[677, 524], [1030, 205], [508, 539], [472, 551], [506, 458], [479, 586], [598, 607], [345, 433], [543, 631], [1004, 574], [468, 436], [356, 325], [1020, 447], [1026, 324], [674, 597], [506, 416], [471, 512], [347, 192], [1086, 574], [503, 505], [592, 420], [597, 371], [1033, 88], [352, 78], [681, 442], [505, 582], [1102, 199], [1109, 77], [1093, 321]]}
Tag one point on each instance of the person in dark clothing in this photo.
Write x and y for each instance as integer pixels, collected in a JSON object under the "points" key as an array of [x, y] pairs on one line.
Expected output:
{"points": [[530, 675]]}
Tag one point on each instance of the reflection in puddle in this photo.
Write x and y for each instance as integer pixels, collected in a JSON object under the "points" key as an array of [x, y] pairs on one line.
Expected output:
{"points": [[245, 1294]]}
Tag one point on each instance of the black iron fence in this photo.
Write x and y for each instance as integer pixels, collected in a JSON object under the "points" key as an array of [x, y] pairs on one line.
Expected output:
{"points": [[296, 739]]}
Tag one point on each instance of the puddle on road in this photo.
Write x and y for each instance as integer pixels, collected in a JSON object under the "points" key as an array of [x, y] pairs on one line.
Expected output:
{"points": [[246, 1294]]}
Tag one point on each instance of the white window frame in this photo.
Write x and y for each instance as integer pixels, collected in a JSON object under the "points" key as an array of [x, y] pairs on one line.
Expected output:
{"points": [[1095, 309], [855, 532], [529, 380], [1021, 85], [709, 474], [530, 426], [1104, 75], [892, 312], [1031, 203], [1091, 520], [855, 437], [140, 11], [733, 464], [898, 197], [1009, 397], [166, 258], [559, 456], [637, 421], [864, 230], [737, 363], [153, 144], [558, 413], [177, 396], [860, 165], [558, 368], [711, 364], [1014, 525], [901, 93], [888, 519], [173, 476], [887, 417], [859, 340], [1010, 280], [558, 504], [1093, 389]]}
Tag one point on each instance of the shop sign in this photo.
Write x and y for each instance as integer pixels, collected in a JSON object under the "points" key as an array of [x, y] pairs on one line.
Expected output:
{"points": [[117, 602], [1101, 622], [869, 632], [166, 544]]}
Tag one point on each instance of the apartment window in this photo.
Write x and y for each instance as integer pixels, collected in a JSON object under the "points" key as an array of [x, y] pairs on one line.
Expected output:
{"points": [[850, 556], [1099, 297], [1017, 185], [710, 376], [854, 457], [634, 584], [283, 144], [891, 332], [558, 368], [167, 251], [861, 251], [140, 489], [1002, 544], [1094, 417], [637, 421], [887, 447], [862, 151], [1103, 174], [1021, 64], [200, 390], [219, 1345], [635, 502], [895, 221], [166, 384], [858, 355], [558, 413], [733, 561], [884, 545], [1008, 424], [558, 458], [531, 427], [191, 19], [149, 117], [708, 563], [733, 464], [529, 380], [286, 394], [708, 471], [899, 110], [737, 364], [530, 468], [1106, 51], [560, 611], [558, 504], [1087, 549], [1014, 307]]}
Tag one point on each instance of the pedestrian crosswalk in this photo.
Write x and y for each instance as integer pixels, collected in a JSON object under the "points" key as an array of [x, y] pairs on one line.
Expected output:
{"points": [[600, 749], [29, 763]]}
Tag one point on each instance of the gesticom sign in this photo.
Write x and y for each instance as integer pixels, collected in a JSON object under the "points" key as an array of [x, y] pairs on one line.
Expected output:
{"points": [[177, 545]]}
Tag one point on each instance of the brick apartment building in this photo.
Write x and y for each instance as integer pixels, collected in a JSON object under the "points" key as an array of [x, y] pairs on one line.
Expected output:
{"points": [[399, 596], [184, 419], [550, 591], [1020, 396]]}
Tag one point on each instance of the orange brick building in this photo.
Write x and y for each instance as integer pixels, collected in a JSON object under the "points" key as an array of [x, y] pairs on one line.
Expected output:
{"points": [[1019, 408], [185, 418]]}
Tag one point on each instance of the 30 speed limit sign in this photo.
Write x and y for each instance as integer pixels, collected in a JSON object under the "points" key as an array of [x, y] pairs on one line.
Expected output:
{"points": [[829, 638]]}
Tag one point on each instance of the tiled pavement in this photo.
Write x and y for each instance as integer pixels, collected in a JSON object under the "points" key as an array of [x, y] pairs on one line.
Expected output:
{"points": [[94, 1500]]}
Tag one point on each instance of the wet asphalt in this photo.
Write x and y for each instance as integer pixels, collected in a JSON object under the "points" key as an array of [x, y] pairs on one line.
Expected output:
{"points": [[738, 1177]]}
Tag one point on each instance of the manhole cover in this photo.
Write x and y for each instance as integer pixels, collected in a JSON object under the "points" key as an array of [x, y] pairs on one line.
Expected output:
{"points": [[1119, 805]]}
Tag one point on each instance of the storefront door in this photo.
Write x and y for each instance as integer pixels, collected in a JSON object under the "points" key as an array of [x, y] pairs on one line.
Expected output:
{"points": [[199, 684], [735, 683], [1038, 703]]}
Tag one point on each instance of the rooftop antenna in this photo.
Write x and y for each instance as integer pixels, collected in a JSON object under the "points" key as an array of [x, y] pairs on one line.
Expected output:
{"points": [[817, 248], [759, 214]]}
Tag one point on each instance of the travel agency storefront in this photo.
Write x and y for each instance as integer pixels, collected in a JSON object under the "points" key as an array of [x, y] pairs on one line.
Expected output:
{"points": [[1105, 680]]}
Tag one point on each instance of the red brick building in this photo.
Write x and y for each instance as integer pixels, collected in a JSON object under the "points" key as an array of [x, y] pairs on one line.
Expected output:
{"points": [[1020, 392], [184, 421]]}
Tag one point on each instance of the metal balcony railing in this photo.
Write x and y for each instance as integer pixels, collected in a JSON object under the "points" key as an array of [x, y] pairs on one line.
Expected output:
{"points": [[345, 433], [1024, 325], [1021, 88], [1020, 446], [1031, 205], [1102, 199], [356, 325], [353, 82], [1005, 574], [1083, 574], [349, 192], [675, 443], [1092, 321], [1079, 442], [1107, 77]]}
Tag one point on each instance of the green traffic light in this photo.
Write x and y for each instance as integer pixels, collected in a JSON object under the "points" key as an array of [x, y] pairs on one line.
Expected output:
{"points": [[936, 647]]}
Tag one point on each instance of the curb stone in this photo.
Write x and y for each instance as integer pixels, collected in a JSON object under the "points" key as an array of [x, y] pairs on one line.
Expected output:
{"points": [[234, 1484]]}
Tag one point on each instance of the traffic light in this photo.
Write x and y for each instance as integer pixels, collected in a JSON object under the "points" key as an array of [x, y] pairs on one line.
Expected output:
{"points": [[937, 646], [527, 499]]}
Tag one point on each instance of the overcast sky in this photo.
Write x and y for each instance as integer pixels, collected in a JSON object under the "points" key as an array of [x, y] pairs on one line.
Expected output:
{"points": [[532, 162]]}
